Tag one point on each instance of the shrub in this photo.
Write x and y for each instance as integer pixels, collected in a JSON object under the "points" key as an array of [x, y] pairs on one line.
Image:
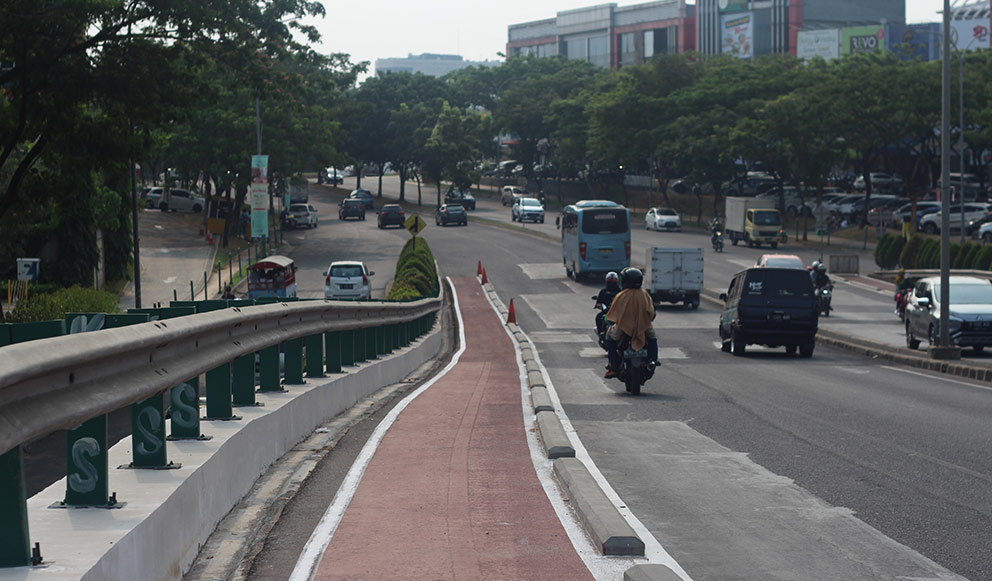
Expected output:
{"points": [[416, 275], [966, 255], [881, 250], [892, 252], [910, 255], [955, 251], [983, 258], [930, 255], [76, 299]]}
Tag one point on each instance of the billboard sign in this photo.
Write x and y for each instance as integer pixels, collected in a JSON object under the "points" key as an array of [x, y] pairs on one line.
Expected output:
{"points": [[970, 34], [259, 196], [862, 39], [731, 5], [818, 43], [737, 35]]}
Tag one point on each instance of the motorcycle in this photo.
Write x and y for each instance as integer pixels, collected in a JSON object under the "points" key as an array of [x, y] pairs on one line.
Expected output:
{"points": [[635, 369], [288, 222], [718, 241], [823, 296], [601, 324]]}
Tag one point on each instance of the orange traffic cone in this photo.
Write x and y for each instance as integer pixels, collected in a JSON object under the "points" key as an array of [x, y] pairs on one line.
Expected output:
{"points": [[484, 279], [511, 316], [478, 270]]}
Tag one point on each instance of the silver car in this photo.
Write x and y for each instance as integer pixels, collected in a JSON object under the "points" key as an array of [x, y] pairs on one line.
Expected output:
{"points": [[527, 209], [970, 321], [663, 219]]}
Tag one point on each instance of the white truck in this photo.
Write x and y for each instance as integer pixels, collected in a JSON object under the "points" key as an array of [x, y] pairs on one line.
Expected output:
{"points": [[674, 275], [753, 220]]}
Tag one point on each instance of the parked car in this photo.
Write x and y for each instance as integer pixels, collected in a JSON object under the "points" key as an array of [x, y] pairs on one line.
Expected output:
{"points": [[780, 261], [150, 197], [351, 208], [906, 210], [463, 197], [451, 213], [331, 176], [880, 182], [971, 184], [769, 306], [527, 210], [347, 279], [178, 200], [391, 215], [974, 228], [511, 194], [750, 185], [663, 219], [303, 215], [793, 202], [365, 196], [970, 309], [931, 222]]}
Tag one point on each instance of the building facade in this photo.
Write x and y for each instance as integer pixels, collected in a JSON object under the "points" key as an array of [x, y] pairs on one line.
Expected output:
{"points": [[612, 36], [435, 65]]}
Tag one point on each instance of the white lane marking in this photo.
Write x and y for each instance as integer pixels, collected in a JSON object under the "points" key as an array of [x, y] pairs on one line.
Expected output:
{"points": [[937, 377], [169, 280], [562, 337], [542, 271], [313, 550], [741, 262], [592, 353], [160, 227], [671, 353], [600, 566]]}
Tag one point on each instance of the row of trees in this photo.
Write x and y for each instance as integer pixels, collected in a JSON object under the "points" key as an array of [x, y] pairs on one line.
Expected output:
{"points": [[180, 86], [919, 252]]}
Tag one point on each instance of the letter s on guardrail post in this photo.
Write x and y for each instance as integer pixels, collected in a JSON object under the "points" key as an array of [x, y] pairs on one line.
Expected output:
{"points": [[86, 465]]}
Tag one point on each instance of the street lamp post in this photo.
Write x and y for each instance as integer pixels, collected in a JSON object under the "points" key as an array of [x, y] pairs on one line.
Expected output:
{"points": [[960, 188]]}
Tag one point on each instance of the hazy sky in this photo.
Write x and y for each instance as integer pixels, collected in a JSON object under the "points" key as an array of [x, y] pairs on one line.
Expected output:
{"points": [[371, 29]]}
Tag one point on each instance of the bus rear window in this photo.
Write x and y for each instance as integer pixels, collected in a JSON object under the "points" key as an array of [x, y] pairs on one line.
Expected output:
{"points": [[606, 221]]}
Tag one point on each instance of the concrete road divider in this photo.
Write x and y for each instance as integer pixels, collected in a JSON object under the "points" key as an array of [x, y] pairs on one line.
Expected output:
{"points": [[650, 572], [540, 399], [604, 523], [554, 437]]}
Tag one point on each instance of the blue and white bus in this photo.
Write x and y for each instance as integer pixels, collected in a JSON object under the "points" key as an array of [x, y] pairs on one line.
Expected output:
{"points": [[595, 237]]}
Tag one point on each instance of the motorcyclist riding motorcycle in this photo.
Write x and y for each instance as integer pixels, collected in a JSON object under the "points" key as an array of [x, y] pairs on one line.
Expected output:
{"points": [[820, 278], [715, 228], [605, 299], [631, 313]]}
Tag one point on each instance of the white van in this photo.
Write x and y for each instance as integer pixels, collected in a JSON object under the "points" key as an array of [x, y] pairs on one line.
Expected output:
{"points": [[178, 200]]}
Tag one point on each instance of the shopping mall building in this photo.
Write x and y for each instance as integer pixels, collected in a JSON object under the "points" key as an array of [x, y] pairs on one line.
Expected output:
{"points": [[613, 36]]}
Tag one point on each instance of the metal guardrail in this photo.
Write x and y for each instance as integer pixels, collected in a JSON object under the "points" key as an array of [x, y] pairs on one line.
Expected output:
{"points": [[72, 381]]}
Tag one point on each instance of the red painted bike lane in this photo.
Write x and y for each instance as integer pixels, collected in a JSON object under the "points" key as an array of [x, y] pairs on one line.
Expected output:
{"points": [[451, 492]]}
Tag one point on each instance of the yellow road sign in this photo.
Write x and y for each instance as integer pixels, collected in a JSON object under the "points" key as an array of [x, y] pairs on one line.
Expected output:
{"points": [[415, 224]]}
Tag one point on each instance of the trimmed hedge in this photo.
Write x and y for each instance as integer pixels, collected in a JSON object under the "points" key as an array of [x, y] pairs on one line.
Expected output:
{"points": [[51, 306], [416, 276]]}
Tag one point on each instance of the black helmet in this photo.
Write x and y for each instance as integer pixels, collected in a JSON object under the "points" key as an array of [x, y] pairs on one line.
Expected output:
{"points": [[631, 277]]}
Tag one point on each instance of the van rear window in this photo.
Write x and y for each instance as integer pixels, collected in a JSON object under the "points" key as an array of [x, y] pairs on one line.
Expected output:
{"points": [[770, 283], [605, 221]]}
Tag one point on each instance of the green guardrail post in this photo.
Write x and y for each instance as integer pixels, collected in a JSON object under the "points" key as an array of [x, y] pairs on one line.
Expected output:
{"points": [[243, 378], [268, 376], [220, 404], [347, 348], [148, 435], [230, 269], [206, 287], [332, 351], [15, 550], [184, 400], [87, 479], [377, 338], [360, 344], [371, 343], [293, 361], [315, 355]]}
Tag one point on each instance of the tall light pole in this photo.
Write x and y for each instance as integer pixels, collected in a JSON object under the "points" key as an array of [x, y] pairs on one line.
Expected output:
{"points": [[960, 188], [944, 349]]}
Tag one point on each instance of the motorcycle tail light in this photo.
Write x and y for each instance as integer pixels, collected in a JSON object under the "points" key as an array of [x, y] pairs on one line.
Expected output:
{"points": [[582, 250], [626, 249]]}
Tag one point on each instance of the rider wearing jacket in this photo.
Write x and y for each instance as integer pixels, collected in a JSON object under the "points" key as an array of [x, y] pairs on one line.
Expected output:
{"points": [[820, 278], [631, 314], [605, 299]]}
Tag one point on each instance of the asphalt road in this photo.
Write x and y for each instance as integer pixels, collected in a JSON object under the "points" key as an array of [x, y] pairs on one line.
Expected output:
{"points": [[767, 466]]}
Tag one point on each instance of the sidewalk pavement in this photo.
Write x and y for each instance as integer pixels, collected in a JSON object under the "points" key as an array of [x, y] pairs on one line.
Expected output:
{"points": [[172, 255], [451, 491]]}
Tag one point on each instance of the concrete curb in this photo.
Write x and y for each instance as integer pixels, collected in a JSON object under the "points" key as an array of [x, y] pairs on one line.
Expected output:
{"points": [[652, 572], [608, 529], [603, 522]]}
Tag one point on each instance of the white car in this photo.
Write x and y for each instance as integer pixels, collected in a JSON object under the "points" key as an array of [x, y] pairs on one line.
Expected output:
{"points": [[931, 222], [880, 181], [348, 279], [527, 209], [303, 215], [178, 200], [663, 219]]}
